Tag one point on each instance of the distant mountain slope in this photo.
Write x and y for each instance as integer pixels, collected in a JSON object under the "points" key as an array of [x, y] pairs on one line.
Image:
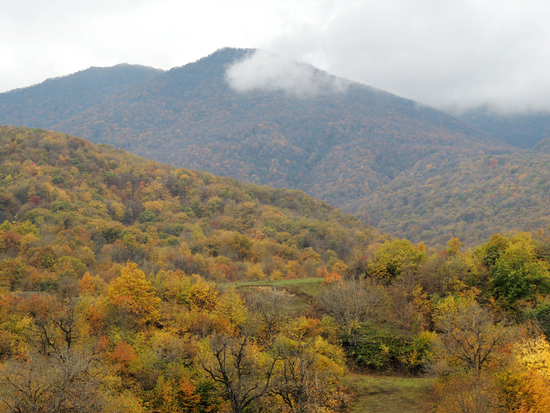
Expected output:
{"points": [[523, 130], [336, 146], [470, 196], [543, 146], [412, 170], [47, 104]]}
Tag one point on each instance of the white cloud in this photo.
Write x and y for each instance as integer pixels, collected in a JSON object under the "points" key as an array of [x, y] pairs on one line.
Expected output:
{"points": [[441, 53], [265, 71], [444, 54]]}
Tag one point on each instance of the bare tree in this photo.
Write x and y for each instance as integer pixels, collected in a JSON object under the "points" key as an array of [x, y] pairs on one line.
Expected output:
{"points": [[59, 373], [60, 383], [271, 306], [244, 375], [353, 302]]}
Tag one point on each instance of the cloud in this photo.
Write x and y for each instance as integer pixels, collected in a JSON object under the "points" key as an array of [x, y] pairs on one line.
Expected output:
{"points": [[265, 71], [445, 54], [42, 39]]}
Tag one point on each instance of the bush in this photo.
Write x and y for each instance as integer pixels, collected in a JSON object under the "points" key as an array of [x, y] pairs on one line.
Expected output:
{"points": [[379, 349]]}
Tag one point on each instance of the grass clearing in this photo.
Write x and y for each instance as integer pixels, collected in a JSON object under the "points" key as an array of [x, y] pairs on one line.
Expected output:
{"points": [[305, 290], [373, 394], [282, 283], [301, 286]]}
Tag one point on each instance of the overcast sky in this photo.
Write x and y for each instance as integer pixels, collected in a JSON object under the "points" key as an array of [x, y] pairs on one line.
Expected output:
{"points": [[439, 52]]}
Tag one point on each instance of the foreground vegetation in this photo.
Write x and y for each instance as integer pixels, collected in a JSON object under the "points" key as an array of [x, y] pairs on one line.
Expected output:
{"points": [[132, 286]]}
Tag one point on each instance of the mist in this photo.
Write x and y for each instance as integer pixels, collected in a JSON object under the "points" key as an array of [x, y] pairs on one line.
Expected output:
{"points": [[451, 55], [268, 72]]}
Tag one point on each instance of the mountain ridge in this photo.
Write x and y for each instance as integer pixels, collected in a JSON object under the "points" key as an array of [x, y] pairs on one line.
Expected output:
{"points": [[343, 147]]}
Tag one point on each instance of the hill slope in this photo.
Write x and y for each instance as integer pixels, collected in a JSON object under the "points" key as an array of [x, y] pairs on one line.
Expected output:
{"points": [[99, 207], [471, 196], [523, 130], [55, 100]]}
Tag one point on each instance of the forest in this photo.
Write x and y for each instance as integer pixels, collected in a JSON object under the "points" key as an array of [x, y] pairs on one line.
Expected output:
{"points": [[470, 196], [129, 285]]}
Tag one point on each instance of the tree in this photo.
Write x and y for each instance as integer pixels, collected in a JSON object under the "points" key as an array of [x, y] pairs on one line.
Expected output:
{"points": [[393, 257], [11, 271], [526, 385], [353, 302], [232, 308], [62, 382], [306, 378], [470, 393], [241, 246], [471, 349], [271, 306], [59, 370], [243, 371], [133, 293], [469, 337], [518, 275]]}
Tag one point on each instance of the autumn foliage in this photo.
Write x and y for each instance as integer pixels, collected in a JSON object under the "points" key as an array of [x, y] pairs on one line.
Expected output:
{"points": [[139, 287]]}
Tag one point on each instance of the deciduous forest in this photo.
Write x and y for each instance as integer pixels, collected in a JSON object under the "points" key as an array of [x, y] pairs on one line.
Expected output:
{"points": [[129, 285]]}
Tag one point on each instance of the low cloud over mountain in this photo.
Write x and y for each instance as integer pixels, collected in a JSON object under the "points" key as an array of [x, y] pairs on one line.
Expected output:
{"points": [[265, 71]]}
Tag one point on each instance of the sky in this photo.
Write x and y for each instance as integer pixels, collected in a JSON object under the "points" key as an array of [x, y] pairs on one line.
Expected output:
{"points": [[450, 54]]}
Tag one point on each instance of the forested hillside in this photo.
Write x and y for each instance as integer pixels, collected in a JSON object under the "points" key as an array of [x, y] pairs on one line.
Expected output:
{"points": [[115, 206], [469, 195], [128, 285], [48, 103], [523, 130]]}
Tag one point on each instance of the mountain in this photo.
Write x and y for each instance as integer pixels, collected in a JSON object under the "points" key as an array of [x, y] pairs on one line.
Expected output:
{"points": [[46, 104], [353, 146], [523, 130], [190, 116]]}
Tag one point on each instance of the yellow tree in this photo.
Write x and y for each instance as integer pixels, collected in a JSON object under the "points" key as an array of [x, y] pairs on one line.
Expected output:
{"points": [[232, 308], [133, 293], [470, 337], [306, 379], [394, 257], [526, 385]]}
